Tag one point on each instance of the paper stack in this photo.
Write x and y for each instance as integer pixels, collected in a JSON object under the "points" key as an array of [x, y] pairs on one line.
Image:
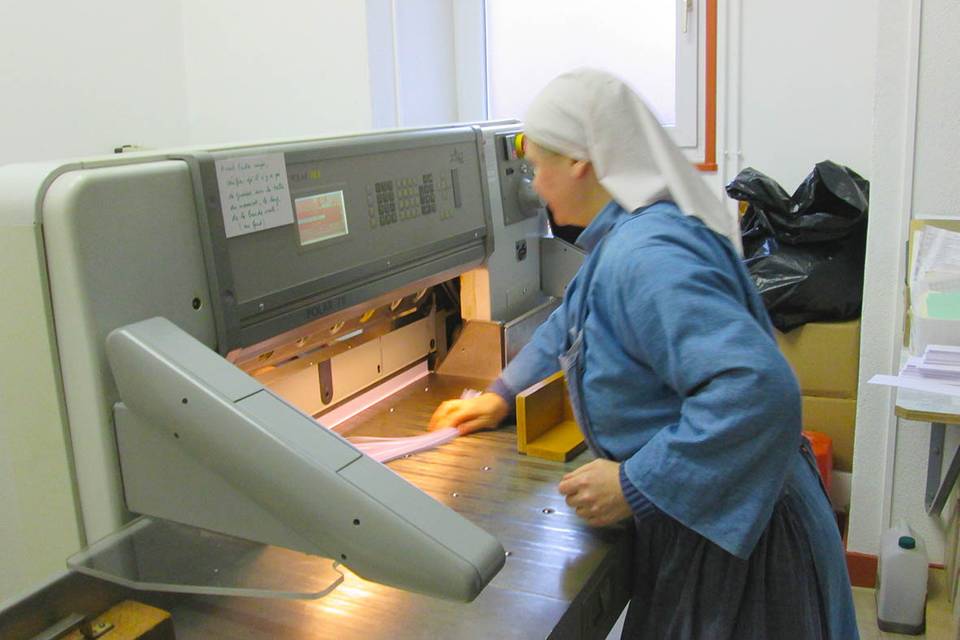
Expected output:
{"points": [[937, 371], [938, 354]]}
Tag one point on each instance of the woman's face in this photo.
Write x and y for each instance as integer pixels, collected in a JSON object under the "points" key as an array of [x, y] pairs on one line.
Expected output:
{"points": [[555, 181]]}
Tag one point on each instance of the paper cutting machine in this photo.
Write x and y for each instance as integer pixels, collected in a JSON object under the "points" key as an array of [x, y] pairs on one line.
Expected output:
{"points": [[210, 307]]}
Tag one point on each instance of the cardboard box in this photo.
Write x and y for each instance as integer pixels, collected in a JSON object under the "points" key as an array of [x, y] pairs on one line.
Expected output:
{"points": [[835, 417], [825, 356]]}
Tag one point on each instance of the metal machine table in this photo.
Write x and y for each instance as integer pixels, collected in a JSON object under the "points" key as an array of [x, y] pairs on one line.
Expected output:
{"points": [[562, 579]]}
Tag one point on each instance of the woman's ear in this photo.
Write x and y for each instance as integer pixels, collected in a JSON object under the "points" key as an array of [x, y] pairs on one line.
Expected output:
{"points": [[580, 168]]}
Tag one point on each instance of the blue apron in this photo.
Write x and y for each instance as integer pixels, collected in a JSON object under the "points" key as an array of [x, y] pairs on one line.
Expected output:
{"points": [[779, 577], [572, 360]]}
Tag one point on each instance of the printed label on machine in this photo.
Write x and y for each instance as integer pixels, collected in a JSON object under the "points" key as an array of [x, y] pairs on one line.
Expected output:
{"points": [[254, 194]]}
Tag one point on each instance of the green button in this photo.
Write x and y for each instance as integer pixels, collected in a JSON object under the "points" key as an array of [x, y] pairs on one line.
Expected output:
{"points": [[906, 542]]}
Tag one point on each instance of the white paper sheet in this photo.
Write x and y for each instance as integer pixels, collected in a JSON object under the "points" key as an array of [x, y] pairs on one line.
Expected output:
{"points": [[385, 449], [942, 354], [918, 384], [254, 194]]}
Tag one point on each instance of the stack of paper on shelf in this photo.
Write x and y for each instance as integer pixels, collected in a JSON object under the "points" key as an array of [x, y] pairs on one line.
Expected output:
{"points": [[938, 354], [937, 371]]}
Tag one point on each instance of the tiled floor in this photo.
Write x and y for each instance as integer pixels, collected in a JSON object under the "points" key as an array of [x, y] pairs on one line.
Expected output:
{"points": [[940, 624]]}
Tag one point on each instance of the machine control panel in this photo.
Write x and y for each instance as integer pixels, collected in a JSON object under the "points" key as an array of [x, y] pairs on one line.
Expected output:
{"points": [[520, 201], [395, 201], [352, 216]]}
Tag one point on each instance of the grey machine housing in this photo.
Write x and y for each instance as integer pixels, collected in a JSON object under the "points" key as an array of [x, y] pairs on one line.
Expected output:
{"points": [[202, 443]]}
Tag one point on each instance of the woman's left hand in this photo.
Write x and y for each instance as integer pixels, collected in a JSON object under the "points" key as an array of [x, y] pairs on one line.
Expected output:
{"points": [[594, 491]]}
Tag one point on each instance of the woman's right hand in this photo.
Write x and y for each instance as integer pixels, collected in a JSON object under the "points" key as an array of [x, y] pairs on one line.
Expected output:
{"points": [[472, 414]]}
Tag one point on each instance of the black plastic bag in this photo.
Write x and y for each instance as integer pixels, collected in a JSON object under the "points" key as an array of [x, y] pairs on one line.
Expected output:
{"points": [[805, 252]]}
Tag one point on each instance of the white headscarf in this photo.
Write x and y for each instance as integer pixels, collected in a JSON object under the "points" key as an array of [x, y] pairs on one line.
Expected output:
{"points": [[592, 115]]}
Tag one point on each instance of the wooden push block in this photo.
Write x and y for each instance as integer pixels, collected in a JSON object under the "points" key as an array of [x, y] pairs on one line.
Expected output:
{"points": [[130, 620], [546, 427]]}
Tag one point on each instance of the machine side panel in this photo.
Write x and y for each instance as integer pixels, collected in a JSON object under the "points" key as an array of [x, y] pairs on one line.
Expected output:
{"points": [[122, 245], [508, 284], [160, 479], [559, 262], [39, 523]]}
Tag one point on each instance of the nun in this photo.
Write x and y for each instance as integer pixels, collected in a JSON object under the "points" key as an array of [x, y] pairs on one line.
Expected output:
{"points": [[677, 383]]}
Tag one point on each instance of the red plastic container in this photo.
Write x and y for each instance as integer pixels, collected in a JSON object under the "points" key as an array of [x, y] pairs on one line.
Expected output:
{"points": [[823, 451]]}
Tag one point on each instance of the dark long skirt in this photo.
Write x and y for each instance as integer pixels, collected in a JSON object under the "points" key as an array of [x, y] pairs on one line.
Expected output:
{"points": [[686, 587]]}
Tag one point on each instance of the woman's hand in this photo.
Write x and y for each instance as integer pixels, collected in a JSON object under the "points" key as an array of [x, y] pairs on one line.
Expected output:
{"points": [[594, 491], [473, 414]]}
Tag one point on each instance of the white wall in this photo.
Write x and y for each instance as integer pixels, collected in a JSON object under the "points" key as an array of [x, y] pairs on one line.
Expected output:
{"points": [[88, 77], [806, 85], [414, 58], [936, 187], [425, 47], [259, 71], [85, 77], [916, 149], [381, 64]]}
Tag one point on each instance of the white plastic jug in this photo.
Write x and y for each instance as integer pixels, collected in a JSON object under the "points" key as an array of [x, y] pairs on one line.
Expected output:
{"points": [[902, 581]]}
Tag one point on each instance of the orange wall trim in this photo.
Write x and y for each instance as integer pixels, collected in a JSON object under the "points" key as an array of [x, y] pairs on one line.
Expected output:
{"points": [[862, 568], [710, 95]]}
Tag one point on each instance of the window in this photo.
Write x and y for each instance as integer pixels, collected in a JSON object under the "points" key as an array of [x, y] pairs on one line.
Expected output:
{"points": [[530, 42], [496, 54]]}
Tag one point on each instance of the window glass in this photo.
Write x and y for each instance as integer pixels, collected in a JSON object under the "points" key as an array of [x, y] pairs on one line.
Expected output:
{"points": [[530, 42]]}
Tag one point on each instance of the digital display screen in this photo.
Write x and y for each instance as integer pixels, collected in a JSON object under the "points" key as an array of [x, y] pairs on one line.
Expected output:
{"points": [[321, 217]]}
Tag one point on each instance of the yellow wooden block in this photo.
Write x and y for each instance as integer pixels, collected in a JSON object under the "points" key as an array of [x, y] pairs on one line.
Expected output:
{"points": [[545, 424], [131, 620], [560, 443]]}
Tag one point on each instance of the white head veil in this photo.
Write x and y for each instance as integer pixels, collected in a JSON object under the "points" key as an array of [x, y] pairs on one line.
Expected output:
{"points": [[592, 115]]}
